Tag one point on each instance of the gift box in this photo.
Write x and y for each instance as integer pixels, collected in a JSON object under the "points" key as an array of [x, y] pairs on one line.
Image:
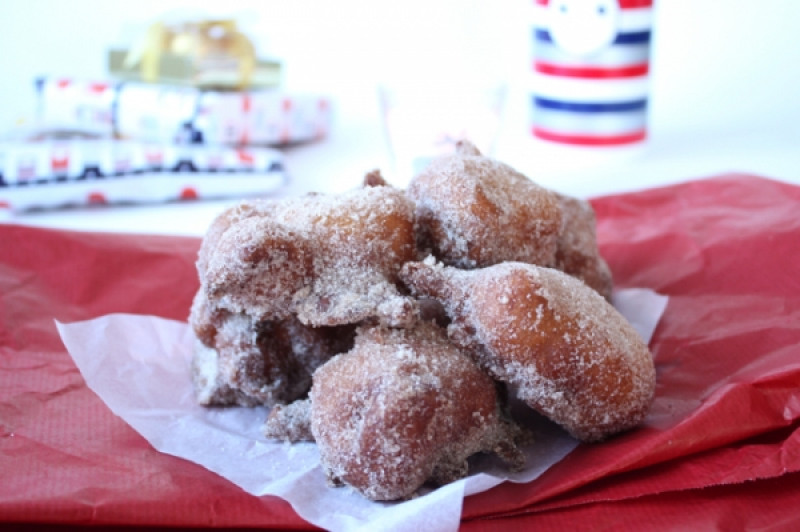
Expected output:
{"points": [[719, 450], [167, 113], [84, 105], [56, 172]]}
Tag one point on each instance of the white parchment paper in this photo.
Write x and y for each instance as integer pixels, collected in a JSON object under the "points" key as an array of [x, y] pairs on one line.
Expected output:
{"points": [[139, 366]]}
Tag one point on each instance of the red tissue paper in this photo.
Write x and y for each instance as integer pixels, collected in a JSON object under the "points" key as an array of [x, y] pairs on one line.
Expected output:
{"points": [[720, 448]]}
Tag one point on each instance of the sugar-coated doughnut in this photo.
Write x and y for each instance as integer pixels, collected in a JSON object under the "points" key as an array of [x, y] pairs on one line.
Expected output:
{"points": [[567, 351], [404, 407], [330, 260], [577, 253], [474, 211]]}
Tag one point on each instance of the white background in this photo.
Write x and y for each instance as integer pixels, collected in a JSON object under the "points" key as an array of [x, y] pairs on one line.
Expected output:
{"points": [[725, 85]]}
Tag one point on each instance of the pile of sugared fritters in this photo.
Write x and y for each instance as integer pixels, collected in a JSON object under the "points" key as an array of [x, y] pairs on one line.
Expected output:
{"points": [[387, 325]]}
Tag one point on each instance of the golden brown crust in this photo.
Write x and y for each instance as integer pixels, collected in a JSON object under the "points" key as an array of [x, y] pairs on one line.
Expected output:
{"points": [[473, 211], [404, 406], [570, 354], [374, 178]]}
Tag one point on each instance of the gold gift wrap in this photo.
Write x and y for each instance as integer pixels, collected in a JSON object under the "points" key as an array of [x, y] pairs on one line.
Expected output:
{"points": [[209, 54]]}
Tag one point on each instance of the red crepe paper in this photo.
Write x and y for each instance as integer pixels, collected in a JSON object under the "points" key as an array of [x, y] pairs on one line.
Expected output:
{"points": [[64, 457], [769, 504], [727, 349], [720, 448]]}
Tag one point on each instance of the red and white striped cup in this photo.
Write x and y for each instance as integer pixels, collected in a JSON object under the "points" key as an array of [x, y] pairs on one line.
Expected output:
{"points": [[591, 62]]}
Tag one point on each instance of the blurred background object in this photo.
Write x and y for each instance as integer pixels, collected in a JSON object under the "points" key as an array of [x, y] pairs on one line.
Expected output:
{"points": [[722, 82], [591, 63], [426, 120], [186, 111], [205, 53]]}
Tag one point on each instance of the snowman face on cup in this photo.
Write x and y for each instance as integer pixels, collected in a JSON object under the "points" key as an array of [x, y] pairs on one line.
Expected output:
{"points": [[583, 27]]}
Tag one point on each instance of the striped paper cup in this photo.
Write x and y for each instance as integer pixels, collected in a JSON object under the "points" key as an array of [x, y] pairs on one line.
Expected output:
{"points": [[591, 60]]}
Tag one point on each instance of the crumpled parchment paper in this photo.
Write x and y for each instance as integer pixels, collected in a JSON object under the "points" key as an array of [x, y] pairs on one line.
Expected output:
{"points": [[139, 366]]}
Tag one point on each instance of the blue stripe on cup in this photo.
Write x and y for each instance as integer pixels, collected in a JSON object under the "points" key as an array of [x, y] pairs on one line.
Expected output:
{"points": [[590, 107], [635, 37], [589, 123]]}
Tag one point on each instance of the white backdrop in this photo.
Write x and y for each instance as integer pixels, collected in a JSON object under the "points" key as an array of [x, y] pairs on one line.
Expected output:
{"points": [[725, 75], [733, 61]]}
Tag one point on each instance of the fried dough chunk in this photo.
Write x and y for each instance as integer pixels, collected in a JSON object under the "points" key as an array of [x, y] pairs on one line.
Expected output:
{"points": [[577, 253], [403, 407], [567, 351], [246, 362], [290, 422], [473, 211], [331, 260], [204, 319]]}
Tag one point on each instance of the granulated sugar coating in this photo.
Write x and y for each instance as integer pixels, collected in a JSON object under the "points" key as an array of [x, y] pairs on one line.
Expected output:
{"points": [[204, 320], [330, 259], [251, 363], [218, 227], [256, 268], [290, 422], [570, 354], [474, 211], [577, 253], [403, 407], [209, 386], [283, 284]]}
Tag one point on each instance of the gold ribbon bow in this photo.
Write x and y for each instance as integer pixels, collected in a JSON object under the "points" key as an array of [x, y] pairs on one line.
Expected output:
{"points": [[205, 42]]}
